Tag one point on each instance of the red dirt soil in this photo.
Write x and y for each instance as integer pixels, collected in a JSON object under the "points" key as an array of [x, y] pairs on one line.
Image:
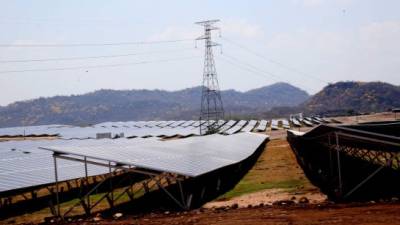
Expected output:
{"points": [[379, 213]]}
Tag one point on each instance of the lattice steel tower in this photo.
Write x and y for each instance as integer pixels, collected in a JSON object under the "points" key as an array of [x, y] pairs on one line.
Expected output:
{"points": [[212, 109]]}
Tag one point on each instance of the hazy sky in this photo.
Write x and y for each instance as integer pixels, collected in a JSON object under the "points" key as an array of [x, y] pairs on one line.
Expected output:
{"points": [[304, 42]]}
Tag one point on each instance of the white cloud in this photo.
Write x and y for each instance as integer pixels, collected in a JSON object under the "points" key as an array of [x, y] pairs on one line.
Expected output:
{"points": [[370, 52], [316, 3], [331, 43], [377, 37], [382, 36], [313, 2], [241, 28], [308, 2], [173, 32]]}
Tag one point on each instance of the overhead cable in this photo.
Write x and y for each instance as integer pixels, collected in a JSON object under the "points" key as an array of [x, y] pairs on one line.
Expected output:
{"points": [[94, 44], [274, 61], [251, 68], [89, 57], [99, 66]]}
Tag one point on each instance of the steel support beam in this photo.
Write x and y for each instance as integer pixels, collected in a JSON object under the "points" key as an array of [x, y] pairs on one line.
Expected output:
{"points": [[85, 201]]}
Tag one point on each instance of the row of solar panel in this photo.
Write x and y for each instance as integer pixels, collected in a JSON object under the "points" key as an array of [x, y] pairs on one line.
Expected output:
{"points": [[24, 157], [132, 129], [24, 165], [311, 121]]}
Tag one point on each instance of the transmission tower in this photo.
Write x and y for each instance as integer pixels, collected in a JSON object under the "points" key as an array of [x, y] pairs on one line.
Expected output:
{"points": [[212, 109]]}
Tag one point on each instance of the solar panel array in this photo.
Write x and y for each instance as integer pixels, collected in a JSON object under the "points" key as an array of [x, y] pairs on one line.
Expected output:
{"points": [[128, 129], [23, 165], [132, 129], [188, 157], [32, 130]]}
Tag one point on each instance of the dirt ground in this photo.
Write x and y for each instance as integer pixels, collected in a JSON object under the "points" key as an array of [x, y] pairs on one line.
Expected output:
{"points": [[381, 213], [275, 177]]}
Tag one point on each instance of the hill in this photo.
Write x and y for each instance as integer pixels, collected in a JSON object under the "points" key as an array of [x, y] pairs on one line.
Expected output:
{"points": [[350, 97], [344, 98], [113, 105]]}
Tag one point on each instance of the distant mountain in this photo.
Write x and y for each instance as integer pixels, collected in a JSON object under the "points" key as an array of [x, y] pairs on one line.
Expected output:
{"points": [[112, 105], [356, 97], [344, 98]]}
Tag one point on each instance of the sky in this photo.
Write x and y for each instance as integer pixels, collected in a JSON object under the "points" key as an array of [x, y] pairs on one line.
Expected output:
{"points": [[50, 48]]}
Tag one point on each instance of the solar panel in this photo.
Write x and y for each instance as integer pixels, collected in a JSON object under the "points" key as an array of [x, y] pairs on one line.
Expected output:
{"points": [[122, 129], [307, 122], [165, 123], [285, 124], [296, 122], [227, 126], [30, 130], [236, 128], [250, 126], [274, 124], [262, 126], [23, 165], [198, 123], [188, 123], [189, 157], [152, 123], [176, 124]]}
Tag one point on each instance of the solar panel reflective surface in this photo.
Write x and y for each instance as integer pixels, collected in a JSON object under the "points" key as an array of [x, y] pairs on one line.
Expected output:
{"points": [[236, 128], [23, 165], [123, 129], [250, 126], [262, 125], [188, 157]]}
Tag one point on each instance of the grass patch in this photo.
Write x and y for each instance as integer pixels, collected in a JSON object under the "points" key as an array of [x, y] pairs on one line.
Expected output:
{"points": [[276, 168], [246, 187]]}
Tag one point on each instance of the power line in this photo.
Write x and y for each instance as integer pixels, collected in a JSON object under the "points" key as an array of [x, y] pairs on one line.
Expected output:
{"points": [[89, 57], [250, 68], [93, 44], [98, 66], [274, 61], [243, 68]]}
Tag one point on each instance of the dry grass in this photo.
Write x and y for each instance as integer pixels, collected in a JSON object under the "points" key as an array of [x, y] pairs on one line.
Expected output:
{"points": [[276, 168]]}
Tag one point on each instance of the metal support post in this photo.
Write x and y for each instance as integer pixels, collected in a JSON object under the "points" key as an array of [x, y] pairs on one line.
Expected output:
{"points": [[87, 185], [111, 185], [56, 177], [182, 205], [339, 164], [330, 156], [181, 191]]}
